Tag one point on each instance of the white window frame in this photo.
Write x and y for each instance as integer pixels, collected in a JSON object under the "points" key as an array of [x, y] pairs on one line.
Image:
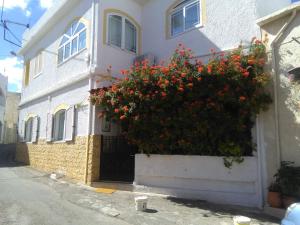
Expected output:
{"points": [[183, 8], [55, 130], [71, 38], [123, 41]]}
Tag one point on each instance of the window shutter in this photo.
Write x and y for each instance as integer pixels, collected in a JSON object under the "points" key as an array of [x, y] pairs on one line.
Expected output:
{"points": [[22, 131], [49, 127], [70, 124], [35, 128]]}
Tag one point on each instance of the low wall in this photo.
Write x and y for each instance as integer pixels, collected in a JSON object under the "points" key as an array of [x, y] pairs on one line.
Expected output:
{"points": [[7, 152], [68, 158], [199, 177]]}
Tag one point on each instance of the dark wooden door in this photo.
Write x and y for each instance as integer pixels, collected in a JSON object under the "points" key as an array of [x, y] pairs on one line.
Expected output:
{"points": [[116, 159]]}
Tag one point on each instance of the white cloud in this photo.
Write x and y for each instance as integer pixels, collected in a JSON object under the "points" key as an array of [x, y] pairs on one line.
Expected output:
{"points": [[12, 67], [46, 4], [28, 13], [16, 4]]}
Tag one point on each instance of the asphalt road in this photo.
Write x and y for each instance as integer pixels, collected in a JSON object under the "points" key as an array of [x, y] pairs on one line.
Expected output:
{"points": [[30, 197], [26, 199]]}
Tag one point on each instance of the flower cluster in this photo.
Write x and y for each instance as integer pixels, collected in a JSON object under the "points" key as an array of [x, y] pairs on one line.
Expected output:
{"points": [[187, 107]]}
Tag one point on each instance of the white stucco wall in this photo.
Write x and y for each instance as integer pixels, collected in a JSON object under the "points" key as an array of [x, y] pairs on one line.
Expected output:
{"points": [[74, 95], [200, 177], [226, 24], [114, 56], [287, 53], [52, 73]]}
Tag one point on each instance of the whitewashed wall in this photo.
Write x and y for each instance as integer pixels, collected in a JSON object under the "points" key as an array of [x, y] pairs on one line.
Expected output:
{"points": [[76, 94], [199, 177], [51, 72], [227, 24], [109, 55]]}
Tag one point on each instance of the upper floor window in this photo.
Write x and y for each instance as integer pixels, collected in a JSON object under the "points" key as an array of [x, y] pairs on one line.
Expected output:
{"points": [[37, 64], [185, 16], [73, 41], [122, 33]]}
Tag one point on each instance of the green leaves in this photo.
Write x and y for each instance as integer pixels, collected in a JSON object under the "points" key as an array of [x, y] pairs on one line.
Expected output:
{"points": [[189, 108]]}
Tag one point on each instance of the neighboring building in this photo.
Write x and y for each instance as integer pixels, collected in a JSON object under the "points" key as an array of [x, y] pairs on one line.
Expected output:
{"points": [[3, 93], [281, 124], [69, 51], [11, 118]]}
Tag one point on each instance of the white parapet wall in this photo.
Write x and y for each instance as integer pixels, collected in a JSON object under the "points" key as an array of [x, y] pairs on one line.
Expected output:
{"points": [[199, 177]]}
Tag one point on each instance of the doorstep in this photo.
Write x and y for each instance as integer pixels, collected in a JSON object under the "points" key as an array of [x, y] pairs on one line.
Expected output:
{"points": [[275, 212], [118, 186]]}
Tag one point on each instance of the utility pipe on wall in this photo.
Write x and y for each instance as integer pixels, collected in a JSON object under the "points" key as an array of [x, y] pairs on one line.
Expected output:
{"points": [[91, 71], [276, 84]]}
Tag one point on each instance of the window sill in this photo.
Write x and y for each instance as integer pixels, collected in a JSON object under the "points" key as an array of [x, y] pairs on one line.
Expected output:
{"points": [[122, 49], [186, 31], [71, 57], [58, 142]]}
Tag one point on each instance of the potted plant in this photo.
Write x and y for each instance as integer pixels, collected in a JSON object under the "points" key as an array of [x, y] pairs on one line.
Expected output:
{"points": [[274, 195], [288, 178]]}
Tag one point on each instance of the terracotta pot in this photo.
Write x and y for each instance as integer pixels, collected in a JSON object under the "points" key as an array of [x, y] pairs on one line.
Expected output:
{"points": [[274, 199], [288, 200]]}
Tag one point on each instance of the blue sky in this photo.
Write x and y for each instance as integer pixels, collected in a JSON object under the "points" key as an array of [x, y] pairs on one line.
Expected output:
{"points": [[22, 11]]}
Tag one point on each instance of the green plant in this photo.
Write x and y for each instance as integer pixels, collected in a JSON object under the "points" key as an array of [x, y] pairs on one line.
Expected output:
{"points": [[186, 107], [288, 178]]}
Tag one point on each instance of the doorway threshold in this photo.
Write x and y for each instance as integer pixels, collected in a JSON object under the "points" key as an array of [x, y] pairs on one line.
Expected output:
{"points": [[116, 185]]}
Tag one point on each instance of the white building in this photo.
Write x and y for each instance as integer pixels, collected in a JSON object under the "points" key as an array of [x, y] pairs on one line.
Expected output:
{"points": [[3, 93], [68, 52]]}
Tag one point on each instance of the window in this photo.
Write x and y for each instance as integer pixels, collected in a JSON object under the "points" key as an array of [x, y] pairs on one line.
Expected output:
{"points": [[122, 33], [73, 41], [185, 16], [28, 130], [37, 64], [59, 126]]}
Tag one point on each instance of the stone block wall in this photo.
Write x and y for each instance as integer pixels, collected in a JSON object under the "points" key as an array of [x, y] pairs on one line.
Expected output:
{"points": [[68, 158]]}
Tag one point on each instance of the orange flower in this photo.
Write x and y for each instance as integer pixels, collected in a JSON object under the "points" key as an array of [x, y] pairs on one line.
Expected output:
{"points": [[209, 69], [242, 98], [180, 89], [251, 61], [183, 75], [190, 85], [200, 69], [125, 108]]}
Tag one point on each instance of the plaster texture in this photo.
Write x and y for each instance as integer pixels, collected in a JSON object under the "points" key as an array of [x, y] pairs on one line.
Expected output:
{"points": [[200, 177]]}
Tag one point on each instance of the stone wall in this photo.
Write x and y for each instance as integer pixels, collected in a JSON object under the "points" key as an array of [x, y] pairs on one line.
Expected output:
{"points": [[68, 158]]}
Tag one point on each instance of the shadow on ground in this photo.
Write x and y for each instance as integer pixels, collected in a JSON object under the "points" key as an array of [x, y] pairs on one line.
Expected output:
{"points": [[222, 211]]}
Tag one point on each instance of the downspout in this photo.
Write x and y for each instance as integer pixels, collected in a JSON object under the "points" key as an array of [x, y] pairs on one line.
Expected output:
{"points": [[276, 80], [90, 107]]}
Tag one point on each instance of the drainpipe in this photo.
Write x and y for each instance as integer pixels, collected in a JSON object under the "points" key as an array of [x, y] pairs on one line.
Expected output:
{"points": [[276, 84], [91, 72]]}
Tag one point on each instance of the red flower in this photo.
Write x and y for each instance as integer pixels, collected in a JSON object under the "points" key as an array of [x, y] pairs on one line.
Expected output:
{"points": [[183, 75], [190, 85], [246, 74], [200, 69], [242, 98], [163, 94], [122, 117], [117, 110], [209, 69]]}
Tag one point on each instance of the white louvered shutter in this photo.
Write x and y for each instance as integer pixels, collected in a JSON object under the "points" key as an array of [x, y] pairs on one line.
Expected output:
{"points": [[70, 124], [35, 127], [49, 127]]}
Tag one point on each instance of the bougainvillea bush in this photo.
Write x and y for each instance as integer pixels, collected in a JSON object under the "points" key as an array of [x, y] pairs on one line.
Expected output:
{"points": [[186, 107]]}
